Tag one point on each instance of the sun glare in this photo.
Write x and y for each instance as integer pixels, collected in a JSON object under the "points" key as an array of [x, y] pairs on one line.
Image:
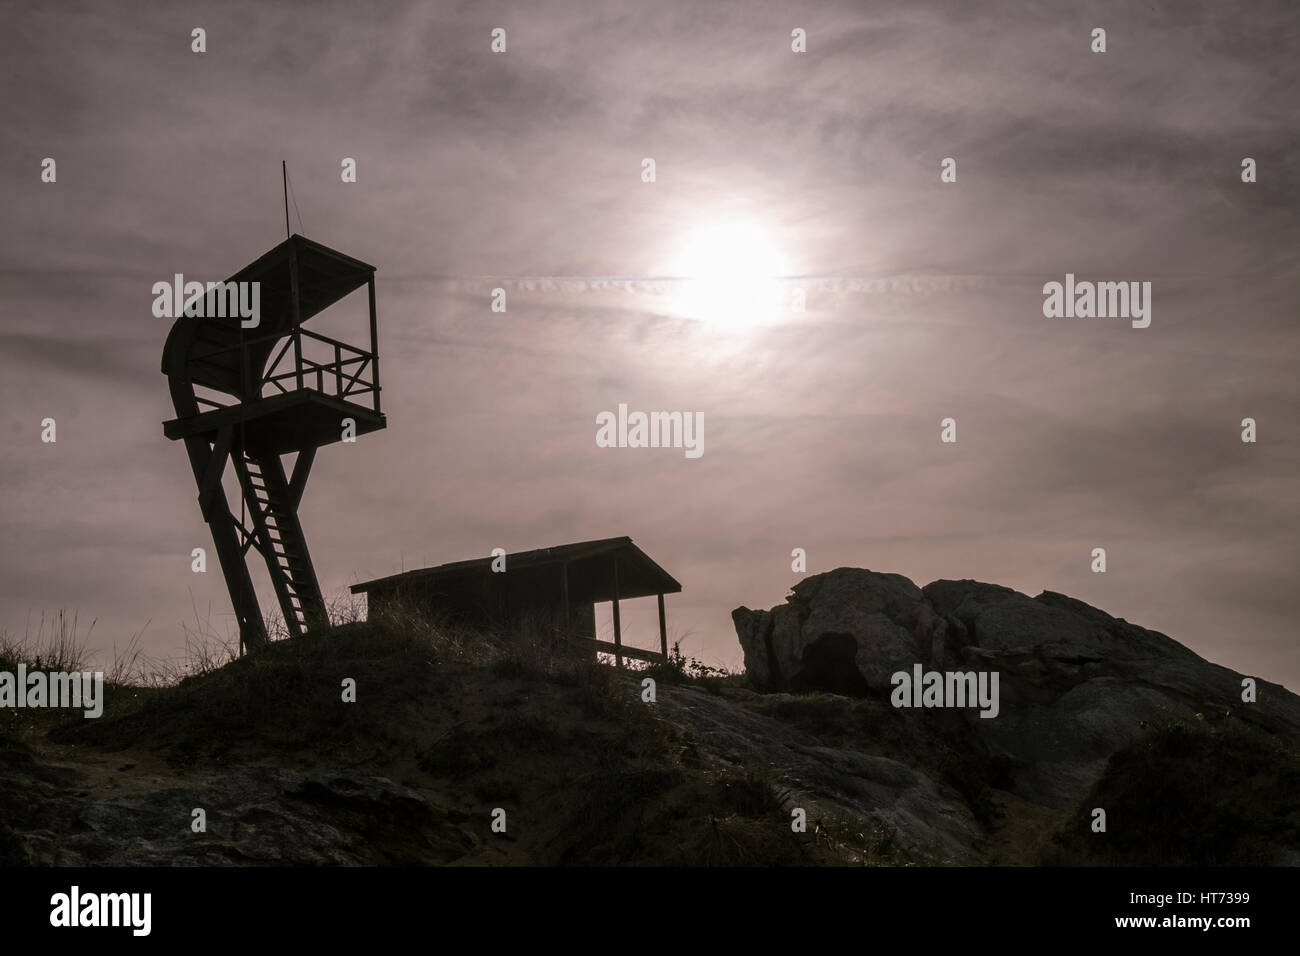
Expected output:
{"points": [[730, 276]]}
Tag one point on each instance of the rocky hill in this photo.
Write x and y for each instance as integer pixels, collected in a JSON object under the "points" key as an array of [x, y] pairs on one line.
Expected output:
{"points": [[449, 731], [1083, 697]]}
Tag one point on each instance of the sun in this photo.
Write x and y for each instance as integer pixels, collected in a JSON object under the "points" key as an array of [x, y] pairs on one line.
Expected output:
{"points": [[729, 275]]}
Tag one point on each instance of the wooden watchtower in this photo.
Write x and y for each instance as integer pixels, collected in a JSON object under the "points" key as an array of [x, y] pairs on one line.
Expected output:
{"points": [[253, 394]]}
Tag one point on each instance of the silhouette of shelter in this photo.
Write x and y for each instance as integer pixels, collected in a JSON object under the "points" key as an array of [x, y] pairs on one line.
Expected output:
{"points": [[556, 587], [252, 394]]}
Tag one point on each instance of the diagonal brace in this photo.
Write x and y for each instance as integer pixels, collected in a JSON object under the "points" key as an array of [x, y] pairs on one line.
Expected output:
{"points": [[212, 472], [301, 465]]}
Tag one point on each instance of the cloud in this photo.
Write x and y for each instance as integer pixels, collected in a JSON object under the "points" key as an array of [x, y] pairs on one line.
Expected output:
{"points": [[523, 171]]}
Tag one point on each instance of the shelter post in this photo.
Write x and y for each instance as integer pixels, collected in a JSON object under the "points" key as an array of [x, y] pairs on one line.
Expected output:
{"points": [[618, 628], [663, 629]]}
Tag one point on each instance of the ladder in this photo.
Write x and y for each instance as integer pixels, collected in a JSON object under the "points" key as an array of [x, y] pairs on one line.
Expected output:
{"points": [[278, 535]]}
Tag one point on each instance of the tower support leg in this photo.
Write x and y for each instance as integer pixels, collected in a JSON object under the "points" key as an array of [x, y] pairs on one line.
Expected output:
{"points": [[243, 598]]}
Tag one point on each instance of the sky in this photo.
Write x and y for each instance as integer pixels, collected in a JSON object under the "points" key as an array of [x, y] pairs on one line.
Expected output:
{"points": [[817, 171]]}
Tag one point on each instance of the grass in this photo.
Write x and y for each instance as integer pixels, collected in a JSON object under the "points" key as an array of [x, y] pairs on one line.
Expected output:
{"points": [[287, 696], [679, 669], [1190, 795], [588, 772], [56, 645]]}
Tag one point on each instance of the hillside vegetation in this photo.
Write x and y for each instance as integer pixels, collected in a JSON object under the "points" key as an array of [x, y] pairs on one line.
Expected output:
{"points": [[449, 728]]}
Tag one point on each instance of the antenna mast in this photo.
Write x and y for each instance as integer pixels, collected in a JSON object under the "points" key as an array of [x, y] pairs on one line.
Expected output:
{"points": [[284, 178]]}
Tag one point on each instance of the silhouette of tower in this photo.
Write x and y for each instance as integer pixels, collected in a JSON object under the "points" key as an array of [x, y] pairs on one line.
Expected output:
{"points": [[253, 394]]}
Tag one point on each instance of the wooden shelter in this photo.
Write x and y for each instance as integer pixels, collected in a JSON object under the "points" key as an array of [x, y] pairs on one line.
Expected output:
{"points": [[556, 587], [251, 395]]}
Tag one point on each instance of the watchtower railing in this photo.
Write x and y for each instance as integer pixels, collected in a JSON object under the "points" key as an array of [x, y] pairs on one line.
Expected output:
{"points": [[332, 377], [351, 373]]}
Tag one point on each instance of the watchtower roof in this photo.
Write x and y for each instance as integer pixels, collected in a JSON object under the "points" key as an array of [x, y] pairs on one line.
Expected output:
{"points": [[207, 350]]}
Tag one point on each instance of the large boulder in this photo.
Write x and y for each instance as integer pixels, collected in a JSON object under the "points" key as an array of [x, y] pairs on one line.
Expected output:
{"points": [[1075, 684], [847, 631]]}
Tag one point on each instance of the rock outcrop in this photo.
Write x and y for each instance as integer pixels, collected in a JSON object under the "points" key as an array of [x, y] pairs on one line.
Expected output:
{"points": [[1075, 684]]}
